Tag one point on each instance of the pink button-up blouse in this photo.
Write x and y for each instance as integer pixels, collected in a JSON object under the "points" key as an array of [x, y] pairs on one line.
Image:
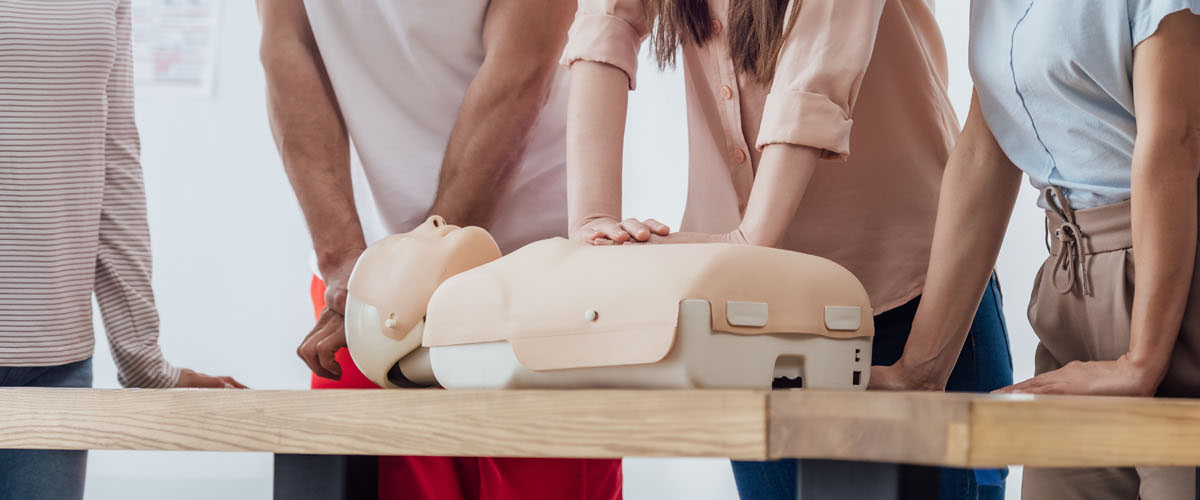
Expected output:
{"points": [[863, 80]]}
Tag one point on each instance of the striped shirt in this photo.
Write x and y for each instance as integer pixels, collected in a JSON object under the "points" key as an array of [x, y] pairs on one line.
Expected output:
{"points": [[72, 203]]}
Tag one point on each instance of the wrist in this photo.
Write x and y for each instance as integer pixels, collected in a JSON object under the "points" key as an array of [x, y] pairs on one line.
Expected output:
{"points": [[924, 373], [1147, 371], [332, 260]]}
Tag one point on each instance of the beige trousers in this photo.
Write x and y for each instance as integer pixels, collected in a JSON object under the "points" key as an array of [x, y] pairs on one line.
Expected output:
{"points": [[1080, 309]]}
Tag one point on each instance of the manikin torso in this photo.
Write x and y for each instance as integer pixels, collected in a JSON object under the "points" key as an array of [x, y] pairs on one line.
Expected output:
{"points": [[710, 316]]}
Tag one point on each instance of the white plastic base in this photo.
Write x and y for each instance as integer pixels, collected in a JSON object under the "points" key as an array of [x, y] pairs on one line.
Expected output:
{"points": [[700, 358]]}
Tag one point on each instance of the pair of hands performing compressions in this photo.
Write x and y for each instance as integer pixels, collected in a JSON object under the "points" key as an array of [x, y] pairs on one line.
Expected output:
{"points": [[603, 231]]}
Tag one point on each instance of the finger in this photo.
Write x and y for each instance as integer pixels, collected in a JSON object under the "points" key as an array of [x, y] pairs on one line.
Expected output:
{"points": [[307, 349], [1045, 389], [232, 383], [659, 240], [320, 325], [657, 227], [602, 242], [636, 229], [309, 353], [1011, 389], [589, 235], [1043, 385], [612, 231], [1024, 387], [328, 347]]}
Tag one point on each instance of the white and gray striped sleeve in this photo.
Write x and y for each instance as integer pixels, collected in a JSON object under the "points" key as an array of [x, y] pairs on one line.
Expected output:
{"points": [[123, 262]]}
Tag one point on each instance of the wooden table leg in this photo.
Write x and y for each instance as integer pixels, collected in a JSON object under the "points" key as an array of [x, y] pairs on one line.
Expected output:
{"points": [[840, 480], [326, 477]]}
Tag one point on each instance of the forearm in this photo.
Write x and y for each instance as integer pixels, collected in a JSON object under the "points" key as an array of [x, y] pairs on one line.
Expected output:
{"points": [[979, 189], [1164, 242], [595, 141], [1166, 162], [488, 143], [779, 186], [311, 137]]}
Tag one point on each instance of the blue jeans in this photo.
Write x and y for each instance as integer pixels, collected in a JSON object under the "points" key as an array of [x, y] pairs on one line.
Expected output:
{"points": [[44, 474], [985, 364]]}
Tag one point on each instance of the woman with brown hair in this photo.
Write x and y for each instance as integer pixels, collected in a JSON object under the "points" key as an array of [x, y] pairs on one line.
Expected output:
{"points": [[777, 93]]}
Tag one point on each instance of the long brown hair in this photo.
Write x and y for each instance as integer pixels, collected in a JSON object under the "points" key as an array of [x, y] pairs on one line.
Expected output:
{"points": [[756, 31]]}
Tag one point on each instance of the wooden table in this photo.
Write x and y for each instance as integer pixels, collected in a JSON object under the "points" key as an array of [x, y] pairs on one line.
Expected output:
{"points": [[915, 428]]}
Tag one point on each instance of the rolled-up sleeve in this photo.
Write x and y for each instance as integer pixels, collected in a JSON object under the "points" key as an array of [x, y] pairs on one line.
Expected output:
{"points": [[821, 67], [609, 32]]}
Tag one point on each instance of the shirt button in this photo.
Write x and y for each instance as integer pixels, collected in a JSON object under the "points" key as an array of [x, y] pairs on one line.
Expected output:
{"points": [[716, 26], [739, 156], [726, 92]]}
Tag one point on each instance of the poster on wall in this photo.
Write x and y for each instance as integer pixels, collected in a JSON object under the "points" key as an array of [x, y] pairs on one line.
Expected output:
{"points": [[175, 45]]}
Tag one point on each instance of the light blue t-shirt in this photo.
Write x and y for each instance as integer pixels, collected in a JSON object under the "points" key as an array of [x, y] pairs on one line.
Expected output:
{"points": [[1055, 81]]}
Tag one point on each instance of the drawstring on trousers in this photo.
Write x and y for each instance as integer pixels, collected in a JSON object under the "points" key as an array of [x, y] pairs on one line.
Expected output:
{"points": [[1070, 256]]}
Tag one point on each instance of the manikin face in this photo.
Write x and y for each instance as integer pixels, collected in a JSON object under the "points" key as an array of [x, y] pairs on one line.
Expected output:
{"points": [[391, 284]]}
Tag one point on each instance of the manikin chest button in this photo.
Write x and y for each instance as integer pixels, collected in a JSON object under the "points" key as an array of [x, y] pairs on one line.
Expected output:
{"points": [[845, 318], [746, 313]]}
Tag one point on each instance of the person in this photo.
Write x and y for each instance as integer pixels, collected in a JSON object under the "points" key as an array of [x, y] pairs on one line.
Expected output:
{"points": [[820, 126], [454, 109], [72, 220], [1097, 104]]}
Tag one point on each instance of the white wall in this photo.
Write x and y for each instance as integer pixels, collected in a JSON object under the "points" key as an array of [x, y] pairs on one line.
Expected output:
{"points": [[231, 259]]}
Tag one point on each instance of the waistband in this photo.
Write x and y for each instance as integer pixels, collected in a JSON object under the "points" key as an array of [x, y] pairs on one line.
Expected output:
{"points": [[1071, 235], [1103, 229]]}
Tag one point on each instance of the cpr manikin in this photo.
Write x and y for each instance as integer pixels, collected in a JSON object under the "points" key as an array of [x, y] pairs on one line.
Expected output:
{"points": [[389, 291], [563, 314]]}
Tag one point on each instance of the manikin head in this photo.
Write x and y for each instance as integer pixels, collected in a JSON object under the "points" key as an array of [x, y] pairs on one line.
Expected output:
{"points": [[391, 284]]}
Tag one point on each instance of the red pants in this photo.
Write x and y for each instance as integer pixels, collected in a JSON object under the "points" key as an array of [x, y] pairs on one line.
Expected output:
{"points": [[469, 478]]}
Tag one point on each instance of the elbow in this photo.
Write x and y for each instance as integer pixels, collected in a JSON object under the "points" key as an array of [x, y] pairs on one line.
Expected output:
{"points": [[1169, 150], [536, 83], [1191, 141], [1188, 141], [527, 80]]}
